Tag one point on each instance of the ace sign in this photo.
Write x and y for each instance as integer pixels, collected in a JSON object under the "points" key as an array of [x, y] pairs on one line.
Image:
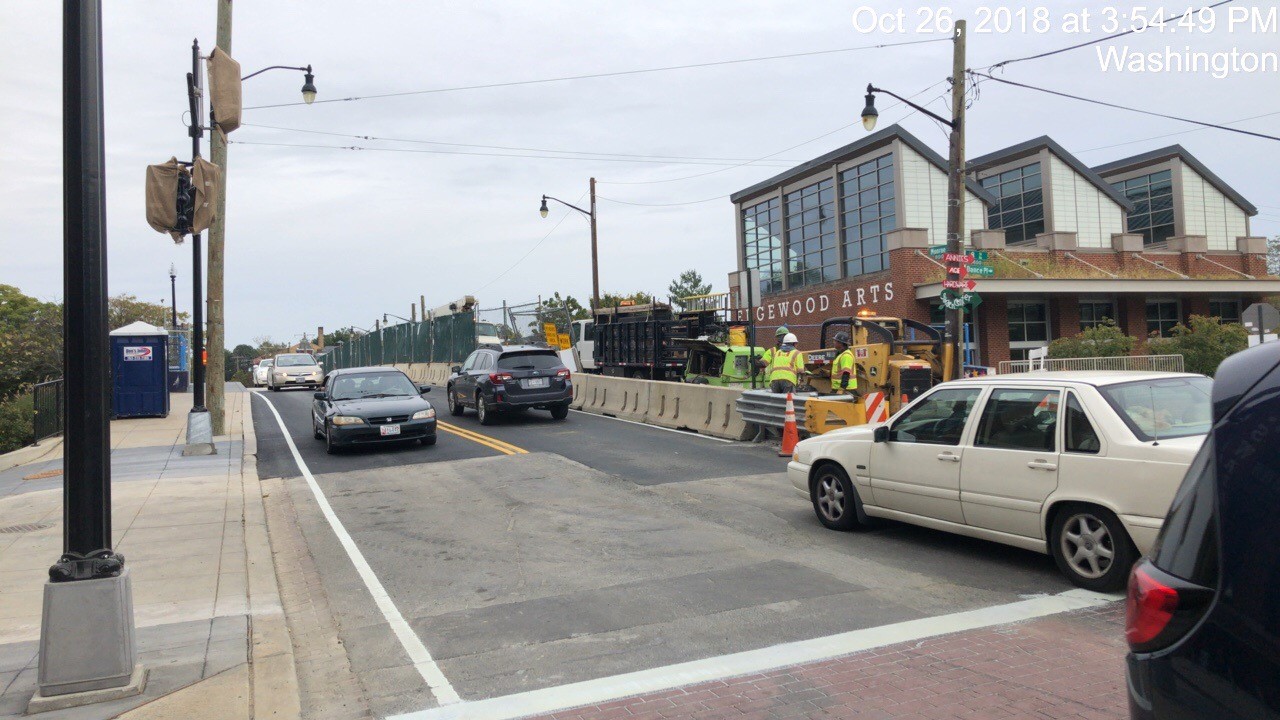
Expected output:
{"points": [[138, 353]]}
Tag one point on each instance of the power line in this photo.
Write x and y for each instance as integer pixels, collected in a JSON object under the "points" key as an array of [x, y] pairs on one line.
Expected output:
{"points": [[1123, 107], [476, 154], [1077, 46], [770, 155], [1172, 134], [617, 73], [493, 147], [536, 245]]}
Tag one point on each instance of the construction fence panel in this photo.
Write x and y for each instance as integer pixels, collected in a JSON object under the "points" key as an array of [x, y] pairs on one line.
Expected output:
{"points": [[1150, 363]]}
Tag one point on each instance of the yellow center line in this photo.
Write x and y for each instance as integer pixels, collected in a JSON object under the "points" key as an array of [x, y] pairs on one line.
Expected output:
{"points": [[489, 442]]}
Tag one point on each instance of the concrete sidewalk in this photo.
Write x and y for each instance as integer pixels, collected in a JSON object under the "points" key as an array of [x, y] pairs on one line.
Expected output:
{"points": [[193, 531]]}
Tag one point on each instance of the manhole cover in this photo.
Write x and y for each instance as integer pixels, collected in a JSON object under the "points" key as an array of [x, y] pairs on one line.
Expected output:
{"points": [[29, 527], [43, 475]]}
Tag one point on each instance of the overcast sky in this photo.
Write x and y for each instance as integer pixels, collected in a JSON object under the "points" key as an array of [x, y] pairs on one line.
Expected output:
{"points": [[335, 237]]}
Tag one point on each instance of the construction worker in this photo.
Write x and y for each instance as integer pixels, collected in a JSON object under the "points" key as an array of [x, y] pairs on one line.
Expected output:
{"points": [[844, 374], [779, 334], [784, 364]]}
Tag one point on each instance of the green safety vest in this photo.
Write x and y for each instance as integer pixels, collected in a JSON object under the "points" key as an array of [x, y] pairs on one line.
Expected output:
{"points": [[783, 365], [843, 362]]}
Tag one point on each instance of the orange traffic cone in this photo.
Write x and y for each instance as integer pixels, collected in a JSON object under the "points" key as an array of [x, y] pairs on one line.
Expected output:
{"points": [[790, 435]]}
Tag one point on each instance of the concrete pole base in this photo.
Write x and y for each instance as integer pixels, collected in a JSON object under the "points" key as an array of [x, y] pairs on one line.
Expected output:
{"points": [[44, 703], [199, 434], [88, 652]]}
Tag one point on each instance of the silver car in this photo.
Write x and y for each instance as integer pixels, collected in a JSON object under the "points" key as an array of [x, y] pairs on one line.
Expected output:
{"points": [[295, 370]]}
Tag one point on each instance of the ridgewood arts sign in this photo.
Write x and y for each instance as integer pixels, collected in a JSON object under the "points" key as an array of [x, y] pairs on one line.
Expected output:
{"points": [[825, 301]]}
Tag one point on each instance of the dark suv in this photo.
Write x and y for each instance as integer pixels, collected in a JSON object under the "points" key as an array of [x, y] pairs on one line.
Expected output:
{"points": [[496, 378], [1203, 619]]}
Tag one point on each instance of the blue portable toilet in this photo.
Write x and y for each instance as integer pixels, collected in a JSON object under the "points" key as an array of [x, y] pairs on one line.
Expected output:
{"points": [[140, 371]]}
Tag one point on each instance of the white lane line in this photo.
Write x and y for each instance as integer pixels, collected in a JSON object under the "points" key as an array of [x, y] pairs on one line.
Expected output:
{"points": [[595, 692], [700, 436], [409, 640]]}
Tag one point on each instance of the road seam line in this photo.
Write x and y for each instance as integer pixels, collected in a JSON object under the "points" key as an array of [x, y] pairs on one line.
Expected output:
{"points": [[601, 690], [426, 666]]}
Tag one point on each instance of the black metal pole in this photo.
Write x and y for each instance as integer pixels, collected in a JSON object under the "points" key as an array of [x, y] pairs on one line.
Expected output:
{"points": [[173, 298], [86, 359], [197, 259]]}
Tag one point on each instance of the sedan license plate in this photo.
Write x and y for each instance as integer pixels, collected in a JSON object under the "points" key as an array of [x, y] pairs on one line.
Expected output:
{"points": [[532, 383], [389, 430]]}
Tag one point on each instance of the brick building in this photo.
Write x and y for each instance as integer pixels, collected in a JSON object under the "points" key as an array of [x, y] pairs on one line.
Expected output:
{"points": [[1145, 241]]}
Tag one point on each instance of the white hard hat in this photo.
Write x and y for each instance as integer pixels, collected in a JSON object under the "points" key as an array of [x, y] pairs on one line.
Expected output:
{"points": [[790, 339]]}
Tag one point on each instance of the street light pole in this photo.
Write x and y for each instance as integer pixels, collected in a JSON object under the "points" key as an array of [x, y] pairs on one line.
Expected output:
{"points": [[595, 256], [955, 177], [173, 294], [87, 626], [199, 428]]}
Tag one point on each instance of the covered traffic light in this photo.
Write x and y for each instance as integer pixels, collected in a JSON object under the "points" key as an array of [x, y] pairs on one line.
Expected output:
{"points": [[224, 90], [182, 200]]}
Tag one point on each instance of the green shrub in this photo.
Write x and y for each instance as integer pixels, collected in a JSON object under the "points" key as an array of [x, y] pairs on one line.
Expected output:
{"points": [[1105, 340], [1203, 343], [16, 415]]}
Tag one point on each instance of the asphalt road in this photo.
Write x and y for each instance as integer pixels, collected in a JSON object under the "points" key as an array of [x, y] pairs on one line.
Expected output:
{"points": [[604, 547]]}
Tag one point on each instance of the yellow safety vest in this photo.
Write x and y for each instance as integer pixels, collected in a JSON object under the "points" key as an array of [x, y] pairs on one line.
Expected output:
{"points": [[783, 365], [843, 362]]}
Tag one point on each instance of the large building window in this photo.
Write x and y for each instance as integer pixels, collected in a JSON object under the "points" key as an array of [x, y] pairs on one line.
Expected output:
{"points": [[762, 242], [1228, 309], [1020, 212], [1162, 315], [813, 256], [1028, 327], [1152, 198], [1096, 312], [867, 196]]}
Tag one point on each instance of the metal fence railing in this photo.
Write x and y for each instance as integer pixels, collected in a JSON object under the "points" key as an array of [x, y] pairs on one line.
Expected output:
{"points": [[49, 402], [1152, 363], [447, 339]]}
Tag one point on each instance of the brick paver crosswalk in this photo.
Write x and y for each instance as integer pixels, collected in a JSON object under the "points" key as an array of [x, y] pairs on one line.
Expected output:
{"points": [[1065, 667]]}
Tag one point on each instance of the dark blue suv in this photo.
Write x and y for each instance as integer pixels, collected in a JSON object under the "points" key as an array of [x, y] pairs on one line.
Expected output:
{"points": [[498, 378], [1203, 619]]}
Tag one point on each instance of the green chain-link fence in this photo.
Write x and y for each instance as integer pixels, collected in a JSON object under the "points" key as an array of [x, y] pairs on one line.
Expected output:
{"points": [[448, 339]]}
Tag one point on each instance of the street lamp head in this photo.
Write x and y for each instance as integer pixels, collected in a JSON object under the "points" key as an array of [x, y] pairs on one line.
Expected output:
{"points": [[869, 113], [543, 210], [309, 87], [173, 272]]}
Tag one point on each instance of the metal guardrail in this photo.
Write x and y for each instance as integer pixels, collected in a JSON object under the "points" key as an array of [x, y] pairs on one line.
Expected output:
{"points": [[1151, 363], [49, 402], [762, 407]]}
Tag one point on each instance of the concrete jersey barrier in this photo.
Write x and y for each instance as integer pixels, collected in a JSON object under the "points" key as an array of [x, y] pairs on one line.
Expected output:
{"points": [[678, 406]]}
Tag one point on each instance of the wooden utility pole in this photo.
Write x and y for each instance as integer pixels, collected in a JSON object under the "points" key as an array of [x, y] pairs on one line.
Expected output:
{"points": [[595, 256], [955, 189], [216, 373]]}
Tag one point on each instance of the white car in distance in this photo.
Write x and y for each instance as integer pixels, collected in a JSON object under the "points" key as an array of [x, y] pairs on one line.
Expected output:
{"points": [[1079, 465], [262, 372]]}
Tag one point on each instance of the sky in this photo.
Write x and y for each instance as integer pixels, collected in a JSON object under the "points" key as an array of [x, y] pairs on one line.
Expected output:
{"points": [[334, 237]]}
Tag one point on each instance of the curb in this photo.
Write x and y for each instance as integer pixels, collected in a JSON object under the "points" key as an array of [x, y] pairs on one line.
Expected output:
{"points": [[273, 678], [29, 454]]}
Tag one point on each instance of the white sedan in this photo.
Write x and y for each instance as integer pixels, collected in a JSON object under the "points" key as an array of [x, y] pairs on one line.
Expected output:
{"points": [[262, 372], [1079, 465]]}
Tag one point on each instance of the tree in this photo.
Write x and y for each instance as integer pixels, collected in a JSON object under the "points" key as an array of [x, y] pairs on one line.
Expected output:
{"points": [[1105, 340], [559, 310], [689, 284], [30, 340], [609, 300], [1203, 343], [125, 308], [341, 335]]}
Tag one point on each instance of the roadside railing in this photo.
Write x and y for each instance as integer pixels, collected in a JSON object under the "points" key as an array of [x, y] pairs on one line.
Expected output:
{"points": [[49, 402], [1151, 363]]}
